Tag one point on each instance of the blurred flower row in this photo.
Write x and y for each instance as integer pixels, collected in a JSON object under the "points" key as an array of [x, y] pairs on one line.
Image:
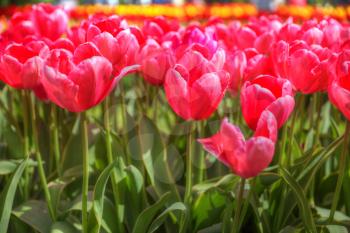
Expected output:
{"points": [[196, 11]]}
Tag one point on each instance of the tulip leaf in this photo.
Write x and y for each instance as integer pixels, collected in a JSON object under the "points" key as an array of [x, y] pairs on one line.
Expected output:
{"points": [[146, 217], [63, 227], [8, 195], [207, 208], [95, 219], [135, 194], [7, 167], [35, 214], [301, 199], [178, 206]]}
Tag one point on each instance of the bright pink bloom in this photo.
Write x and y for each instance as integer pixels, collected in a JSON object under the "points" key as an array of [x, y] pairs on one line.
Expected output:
{"points": [[266, 93], [157, 27], [20, 65], [77, 87], [257, 64], [155, 62], [308, 69], [339, 89], [236, 64], [195, 86], [49, 21], [20, 26], [111, 38], [246, 158]]}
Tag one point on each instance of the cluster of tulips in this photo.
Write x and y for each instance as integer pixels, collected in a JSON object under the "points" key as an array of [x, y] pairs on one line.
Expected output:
{"points": [[264, 62]]}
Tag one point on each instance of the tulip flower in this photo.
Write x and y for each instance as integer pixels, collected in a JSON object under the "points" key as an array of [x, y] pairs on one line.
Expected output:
{"points": [[20, 65], [155, 62], [49, 21], [305, 66], [266, 93], [339, 89], [236, 64], [246, 158], [77, 87], [111, 38], [195, 86]]}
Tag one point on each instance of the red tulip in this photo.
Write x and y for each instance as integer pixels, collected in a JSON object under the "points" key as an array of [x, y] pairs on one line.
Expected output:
{"points": [[155, 62], [339, 89], [195, 86], [77, 87], [307, 69], [20, 64], [157, 27], [236, 64], [111, 38], [257, 64], [289, 32], [20, 26], [266, 93], [49, 21], [246, 158]]}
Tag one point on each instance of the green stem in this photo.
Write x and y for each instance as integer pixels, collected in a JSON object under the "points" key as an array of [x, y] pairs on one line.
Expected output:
{"points": [[283, 146], [291, 135], [342, 170], [124, 121], [110, 160], [318, 120], [201, 162], [25, 139], [85, 188], [56, 145], [239, 200], [40, 162], [188, 190]]}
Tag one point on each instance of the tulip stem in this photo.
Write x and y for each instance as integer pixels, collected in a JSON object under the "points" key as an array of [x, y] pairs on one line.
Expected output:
{"points": [[56, 145], [85, 188], [342, 168], [291, 132], [188, 190], [201, 162], [239, 200], [40, 162], [25, 139], [110, 160]]}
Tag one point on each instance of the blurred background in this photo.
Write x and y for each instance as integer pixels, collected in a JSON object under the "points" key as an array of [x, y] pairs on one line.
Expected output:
{"points": [[261, 4]]}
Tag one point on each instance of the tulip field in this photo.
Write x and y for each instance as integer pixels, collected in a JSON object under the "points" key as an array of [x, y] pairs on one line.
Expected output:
{"points": [[173, 126]]}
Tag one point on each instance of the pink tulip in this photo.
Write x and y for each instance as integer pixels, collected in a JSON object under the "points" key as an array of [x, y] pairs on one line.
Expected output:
{"points": [[235, 65], [195, 86], [20, 65], [307, 69], [246, 158], [49, 21], [155, 62], [266, 93], [339, 89], [77, 87]]}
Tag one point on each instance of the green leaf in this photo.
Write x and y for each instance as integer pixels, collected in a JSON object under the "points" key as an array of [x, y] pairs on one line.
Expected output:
{"points": [[8, 195], [208, 208], [305, 209], [7, 167], [178, 206], [63, 227], [135, 194], [337, 229], [145, 218], [225, 182], [35, 214], [95, 219]]}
